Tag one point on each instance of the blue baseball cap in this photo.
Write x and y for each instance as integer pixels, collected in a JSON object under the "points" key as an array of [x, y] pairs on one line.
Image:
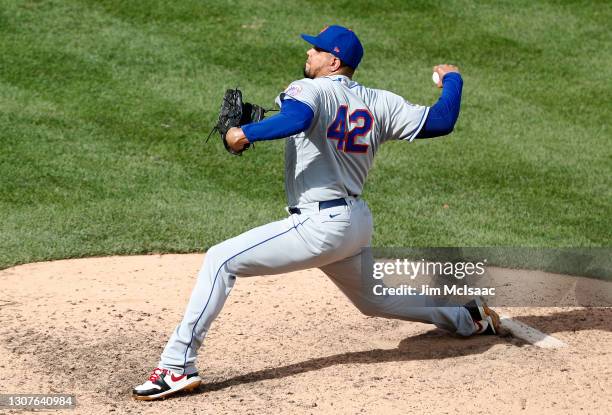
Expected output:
{"points": [[340, 42]]}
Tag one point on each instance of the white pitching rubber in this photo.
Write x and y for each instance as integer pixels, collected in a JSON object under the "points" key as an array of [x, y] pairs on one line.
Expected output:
{"points": [[531, 335]]}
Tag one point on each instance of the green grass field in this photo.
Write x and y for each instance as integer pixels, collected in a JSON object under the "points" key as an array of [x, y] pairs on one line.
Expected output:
{"points": [[105, 104]]}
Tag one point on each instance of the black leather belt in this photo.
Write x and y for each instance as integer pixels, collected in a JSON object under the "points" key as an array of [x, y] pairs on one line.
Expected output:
{"points": [[322, 205]]}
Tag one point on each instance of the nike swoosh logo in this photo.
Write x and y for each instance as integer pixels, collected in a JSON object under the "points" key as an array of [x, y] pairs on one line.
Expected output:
{"points": [[176, 378], [333, 216]]}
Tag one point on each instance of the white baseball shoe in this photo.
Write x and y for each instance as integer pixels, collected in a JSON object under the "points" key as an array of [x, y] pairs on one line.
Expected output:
{"points": [[485, 319], [163, 383]]}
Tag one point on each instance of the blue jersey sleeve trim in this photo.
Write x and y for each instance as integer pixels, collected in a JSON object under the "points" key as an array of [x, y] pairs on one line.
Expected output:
{"points": [[416, 131], [294, 117], [284, 97]]}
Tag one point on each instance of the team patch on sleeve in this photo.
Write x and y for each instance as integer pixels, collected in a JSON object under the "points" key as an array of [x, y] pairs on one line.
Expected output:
{"points": [[293, 90]]}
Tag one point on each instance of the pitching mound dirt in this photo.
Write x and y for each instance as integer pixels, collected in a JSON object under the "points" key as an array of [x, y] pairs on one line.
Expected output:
{"points": [[282, 344]]}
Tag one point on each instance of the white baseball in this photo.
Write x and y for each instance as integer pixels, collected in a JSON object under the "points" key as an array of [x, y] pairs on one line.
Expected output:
{"points": [[435, 78]]}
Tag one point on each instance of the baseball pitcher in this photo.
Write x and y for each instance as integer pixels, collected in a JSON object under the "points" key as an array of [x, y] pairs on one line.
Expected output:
{"points": [[333, 128]]}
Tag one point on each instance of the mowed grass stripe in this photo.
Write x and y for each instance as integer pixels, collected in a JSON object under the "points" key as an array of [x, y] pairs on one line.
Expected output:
{"points": [[104, 105]]}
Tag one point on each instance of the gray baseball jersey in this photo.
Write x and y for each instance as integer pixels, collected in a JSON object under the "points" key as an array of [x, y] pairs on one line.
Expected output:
{"points": [[332, 158]]}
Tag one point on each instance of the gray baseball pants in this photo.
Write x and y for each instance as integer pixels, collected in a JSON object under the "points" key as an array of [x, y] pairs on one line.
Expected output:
{"points": [[331, 239]]}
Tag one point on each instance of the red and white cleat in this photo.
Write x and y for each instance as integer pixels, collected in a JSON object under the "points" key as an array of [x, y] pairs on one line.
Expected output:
{"points": [[163, 383]]}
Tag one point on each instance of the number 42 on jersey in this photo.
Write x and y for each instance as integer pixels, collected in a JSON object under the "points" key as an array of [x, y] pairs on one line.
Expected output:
{"points": [[347, 129]]}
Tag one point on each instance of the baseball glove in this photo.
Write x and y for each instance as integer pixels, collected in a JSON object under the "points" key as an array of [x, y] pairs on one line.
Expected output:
{"points": [[233, 113]]}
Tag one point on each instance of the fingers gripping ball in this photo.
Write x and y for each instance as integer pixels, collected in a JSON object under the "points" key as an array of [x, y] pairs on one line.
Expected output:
{"points": [[234, 112]]}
